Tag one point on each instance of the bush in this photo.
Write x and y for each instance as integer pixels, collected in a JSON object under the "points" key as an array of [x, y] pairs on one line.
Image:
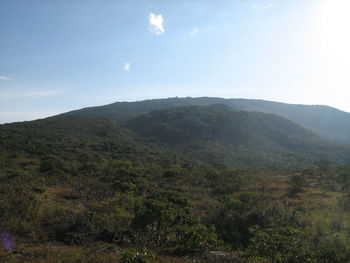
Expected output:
{"points": [[282, 244], [110, 219], [133, 256], [193, 239]]}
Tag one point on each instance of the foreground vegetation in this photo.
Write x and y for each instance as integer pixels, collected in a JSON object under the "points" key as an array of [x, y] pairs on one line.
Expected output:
{"points": [[175, 211], [90, 190]]}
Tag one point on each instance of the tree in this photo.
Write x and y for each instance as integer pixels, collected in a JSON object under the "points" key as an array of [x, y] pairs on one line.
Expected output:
{"points": [[191, 239], [280, 245]]}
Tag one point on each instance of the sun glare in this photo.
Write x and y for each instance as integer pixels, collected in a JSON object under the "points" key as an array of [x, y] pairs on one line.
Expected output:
{"points": [[333, 50], [335, 27]]}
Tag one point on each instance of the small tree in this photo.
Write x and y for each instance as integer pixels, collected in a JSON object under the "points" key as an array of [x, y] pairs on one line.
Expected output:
{"points": [[280, 245], [298, 181], [192, 239]]}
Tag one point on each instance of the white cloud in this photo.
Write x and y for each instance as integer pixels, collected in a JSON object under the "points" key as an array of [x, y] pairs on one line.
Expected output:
{"points": [[5, 78], [126, 66], [194, 32], [156, 23], [262, 5]]}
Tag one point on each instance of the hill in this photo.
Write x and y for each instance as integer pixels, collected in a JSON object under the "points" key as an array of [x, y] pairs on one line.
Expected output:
{"points": [[73, 139], [217, 133], [214, 134], [168, 186], [326, 121]]}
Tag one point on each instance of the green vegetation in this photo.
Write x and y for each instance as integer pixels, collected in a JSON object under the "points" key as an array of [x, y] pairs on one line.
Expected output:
{"points": [[218, 134], [325, 121], [194, 184]]}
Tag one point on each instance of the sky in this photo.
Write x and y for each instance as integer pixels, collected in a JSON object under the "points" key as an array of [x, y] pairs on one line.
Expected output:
{"points": [[62, 55]]}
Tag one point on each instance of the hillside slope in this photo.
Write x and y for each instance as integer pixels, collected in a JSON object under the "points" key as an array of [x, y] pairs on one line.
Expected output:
{"points": [[76, 139], [168, 186], [217, 133], [326, 121]]}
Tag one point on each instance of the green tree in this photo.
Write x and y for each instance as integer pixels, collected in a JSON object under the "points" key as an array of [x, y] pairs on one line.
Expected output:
{"points": [[280, 245], [110, 219], [191, 239]]}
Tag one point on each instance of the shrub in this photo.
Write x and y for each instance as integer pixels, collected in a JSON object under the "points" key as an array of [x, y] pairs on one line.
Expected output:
{"points": [[193, 239], [282, 244], [133, 256]]}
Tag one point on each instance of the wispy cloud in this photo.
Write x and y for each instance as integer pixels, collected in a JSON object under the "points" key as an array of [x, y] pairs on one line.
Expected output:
{"points": [[6, 95], [126, 66], [41, 93], [156, 23], [5, 78], [194, 32], [262, 5]]}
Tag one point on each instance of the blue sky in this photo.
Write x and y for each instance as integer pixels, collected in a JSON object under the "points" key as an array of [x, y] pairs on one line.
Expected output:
{"points": [[61, 55]]}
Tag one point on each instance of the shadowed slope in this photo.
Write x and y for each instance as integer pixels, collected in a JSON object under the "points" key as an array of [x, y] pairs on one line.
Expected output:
{"points": [[325, 121], [218, 133]]}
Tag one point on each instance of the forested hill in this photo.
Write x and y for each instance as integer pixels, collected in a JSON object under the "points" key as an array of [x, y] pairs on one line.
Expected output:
{"points": [[214, 134], [217, 133], [325, 121], [185, 184]]}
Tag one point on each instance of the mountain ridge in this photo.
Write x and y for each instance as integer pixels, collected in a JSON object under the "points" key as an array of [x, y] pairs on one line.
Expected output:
{"points": [[326, 121], [214, 133]]}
